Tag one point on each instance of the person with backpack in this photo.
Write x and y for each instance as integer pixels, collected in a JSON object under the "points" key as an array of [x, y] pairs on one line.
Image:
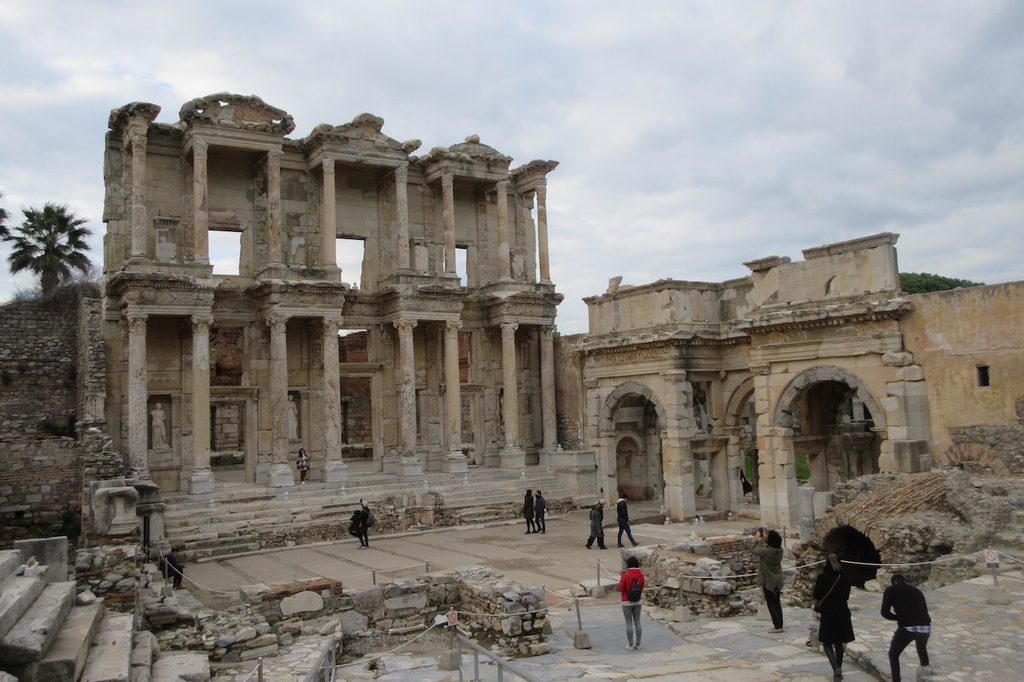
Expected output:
{"points": [[769, 573], [832, 596], [360, 525], [596, 525], [631, 587]]}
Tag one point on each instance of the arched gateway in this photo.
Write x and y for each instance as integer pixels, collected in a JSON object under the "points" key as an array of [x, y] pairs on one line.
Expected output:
{"points": [[632, 419]]}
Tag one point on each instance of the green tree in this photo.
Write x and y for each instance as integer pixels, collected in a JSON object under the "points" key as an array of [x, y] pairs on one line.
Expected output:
{"points": [[3, 220], [51, 244], [923, 282]]}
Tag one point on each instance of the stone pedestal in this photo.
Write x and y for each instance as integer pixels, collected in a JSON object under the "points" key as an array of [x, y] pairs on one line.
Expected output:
{"points": [[513, 458], [455, 463], [281, 475], [389, 463], [335, 471], [201, 482], [410, 467]]}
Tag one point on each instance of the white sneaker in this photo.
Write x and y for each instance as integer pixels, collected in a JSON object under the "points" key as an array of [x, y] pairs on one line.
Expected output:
{"points": [[636, 648], [629, 647]]}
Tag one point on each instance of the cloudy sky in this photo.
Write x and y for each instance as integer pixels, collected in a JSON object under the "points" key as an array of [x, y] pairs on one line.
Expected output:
{"points": [[692, 136]]}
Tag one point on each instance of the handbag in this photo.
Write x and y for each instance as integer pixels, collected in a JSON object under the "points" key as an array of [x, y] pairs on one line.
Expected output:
{"points": [[817, 604]]}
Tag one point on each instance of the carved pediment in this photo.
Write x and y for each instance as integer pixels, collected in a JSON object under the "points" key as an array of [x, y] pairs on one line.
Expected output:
{"points": [[470, 150], [120, 116], [363, 131], [247, 112]]}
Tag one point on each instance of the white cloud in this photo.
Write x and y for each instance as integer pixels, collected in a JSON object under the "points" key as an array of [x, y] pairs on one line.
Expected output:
{"points": [[692, 137]]}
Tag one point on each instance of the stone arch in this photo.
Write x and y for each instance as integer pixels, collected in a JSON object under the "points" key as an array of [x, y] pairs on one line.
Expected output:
{"points": [[627, 389], [737, 399], [819, 374]]}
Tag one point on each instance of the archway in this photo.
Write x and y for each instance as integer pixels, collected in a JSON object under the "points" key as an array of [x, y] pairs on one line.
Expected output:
{"points": [[849, 544], [741, 417], [833, 419], [632, 421]]}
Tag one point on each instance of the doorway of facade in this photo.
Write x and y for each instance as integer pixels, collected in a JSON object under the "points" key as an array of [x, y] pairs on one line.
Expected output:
{"points": [[638, 472]]}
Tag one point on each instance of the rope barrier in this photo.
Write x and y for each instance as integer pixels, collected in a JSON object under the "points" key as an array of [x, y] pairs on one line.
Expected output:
{"points": [[385, 653], [1011, 557]]}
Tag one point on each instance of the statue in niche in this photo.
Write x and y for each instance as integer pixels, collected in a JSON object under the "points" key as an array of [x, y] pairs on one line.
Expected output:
{"points": [[701, 417], [293, 418], [703, 476], [158, 428]]}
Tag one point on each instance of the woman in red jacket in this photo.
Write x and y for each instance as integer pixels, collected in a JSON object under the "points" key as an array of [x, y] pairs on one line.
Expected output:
{"points": [[631, 586]]}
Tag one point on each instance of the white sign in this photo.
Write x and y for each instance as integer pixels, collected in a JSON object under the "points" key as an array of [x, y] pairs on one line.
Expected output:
{"points": [[991, 558], [453, 618]]}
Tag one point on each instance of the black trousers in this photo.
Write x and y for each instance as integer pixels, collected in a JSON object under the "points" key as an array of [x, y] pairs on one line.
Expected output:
{"points": [[600, 541], [834, 654], [538, 521], [900, 639], [774, 604]]}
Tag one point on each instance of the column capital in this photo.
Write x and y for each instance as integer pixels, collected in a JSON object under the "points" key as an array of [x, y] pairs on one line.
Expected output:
{"points": [[199, 322], [508, 328], [274, 156], [548, 331], [136, 321], [138, 140], [501, 186], [328, 166], [332, 323], [452, 326], [402, 172], [404, 326], [275, 320], [200, 149]]}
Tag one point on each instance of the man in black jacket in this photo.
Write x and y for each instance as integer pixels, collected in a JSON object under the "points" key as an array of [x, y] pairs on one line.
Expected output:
{"points": [[911, 616], [622, 516]]}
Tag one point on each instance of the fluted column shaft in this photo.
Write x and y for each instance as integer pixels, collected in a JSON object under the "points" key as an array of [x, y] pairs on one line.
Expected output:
{"points": [[328, 220], [402, 208], [452, 396], [547, 387], [542, 233], [200, 208], [406, 388], [138, 396], [448, 219], [335, 468], [510, 404], [279, 387], [274, 256], [138, 142], [201, 392], [504, 251]]}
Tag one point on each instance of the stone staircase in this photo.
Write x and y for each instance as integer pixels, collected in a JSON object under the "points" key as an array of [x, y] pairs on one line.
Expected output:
{"points": [[247, 518]]}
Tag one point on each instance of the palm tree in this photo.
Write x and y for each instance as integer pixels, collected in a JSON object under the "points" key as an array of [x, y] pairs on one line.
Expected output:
{"points": [[3, 220], [51, 244]]}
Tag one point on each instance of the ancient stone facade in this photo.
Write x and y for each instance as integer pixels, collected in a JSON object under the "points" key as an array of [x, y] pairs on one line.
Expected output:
{"points": [[456, 368], [804, 372]]}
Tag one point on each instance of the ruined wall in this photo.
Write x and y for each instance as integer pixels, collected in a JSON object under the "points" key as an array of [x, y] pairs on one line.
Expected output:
{"points": [[952, 334]]}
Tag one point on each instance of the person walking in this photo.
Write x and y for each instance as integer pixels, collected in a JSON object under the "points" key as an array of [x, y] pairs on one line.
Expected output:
{"points": [[359, 526], [528, 512], [622, 516], [769, 573], [597, 525], [631, 585], [832, 595], [912, 621], [171, 567], [540, 508], [302, 463]]}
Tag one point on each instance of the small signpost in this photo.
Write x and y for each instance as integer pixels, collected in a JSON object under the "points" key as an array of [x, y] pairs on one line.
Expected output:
{"points": [[996, 594]]}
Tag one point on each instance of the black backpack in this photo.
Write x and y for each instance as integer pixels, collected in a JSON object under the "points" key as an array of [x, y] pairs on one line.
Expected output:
{"points": [[634, 592]]}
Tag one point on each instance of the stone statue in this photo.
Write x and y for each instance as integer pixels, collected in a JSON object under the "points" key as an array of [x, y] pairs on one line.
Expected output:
{"points": [[158, 428], [293, 418]]}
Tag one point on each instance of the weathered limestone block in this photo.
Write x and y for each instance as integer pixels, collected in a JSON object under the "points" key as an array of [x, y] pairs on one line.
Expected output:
{"points": [[352, 621], [303, 602], [416, 600], [33, 633], [18, 595], [66, 656], [181, 667], [368, 599], [113, 510], [50, 552], [897, 358], [110, 656]]}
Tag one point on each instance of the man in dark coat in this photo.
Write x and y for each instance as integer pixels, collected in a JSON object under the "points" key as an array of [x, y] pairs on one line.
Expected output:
{"points": [[528, 512], [540, 508], [911, 616], [622, 517], [597, 525], [359, 526]]}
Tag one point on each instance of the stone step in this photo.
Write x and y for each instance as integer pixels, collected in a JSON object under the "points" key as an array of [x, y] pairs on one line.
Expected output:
{"points": [[193, 555], [16, 597], [176, 667], [66, 657], [110, 655], [10, 561], [32, 635]]}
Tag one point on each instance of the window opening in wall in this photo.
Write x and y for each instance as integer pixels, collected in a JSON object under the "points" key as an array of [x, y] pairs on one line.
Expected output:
{"points": [[356, 406], [348, 253], [983, 378], [225, 251], [461, 264]]}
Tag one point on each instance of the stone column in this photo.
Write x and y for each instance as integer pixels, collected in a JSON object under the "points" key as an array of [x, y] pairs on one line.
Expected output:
{"points": [[328, 221], [504, 251], [455, 462], [200, 209], [139, 226], [201, 481], [448, 218], [138, 396], [402, 206], [280, 470], [542, 233], [335, 469], [512, 456], [780, 503], [409, 465], [547, 394], [274, 258]]}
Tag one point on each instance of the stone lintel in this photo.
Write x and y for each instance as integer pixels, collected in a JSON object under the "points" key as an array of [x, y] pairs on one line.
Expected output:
{"points": [[869, 242]]}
